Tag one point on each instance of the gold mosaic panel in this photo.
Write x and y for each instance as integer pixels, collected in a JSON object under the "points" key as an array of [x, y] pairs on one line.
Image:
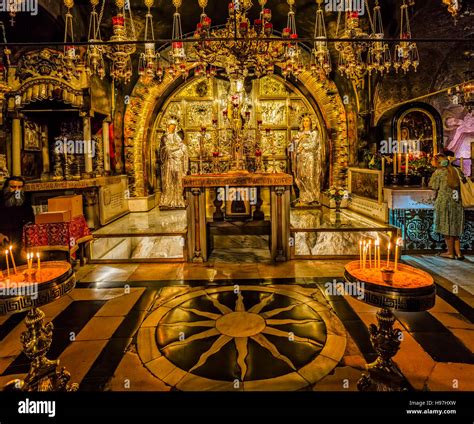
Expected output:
{"points": [[174, 109], [297, 109]]}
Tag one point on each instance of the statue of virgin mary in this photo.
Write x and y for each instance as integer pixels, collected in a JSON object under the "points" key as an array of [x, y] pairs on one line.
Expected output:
{"points": [[174, 166], [306, 162]]}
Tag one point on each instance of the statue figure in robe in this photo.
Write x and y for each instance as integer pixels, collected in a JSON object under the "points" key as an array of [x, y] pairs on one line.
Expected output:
{"points": [[306, 162], [174, 166]]}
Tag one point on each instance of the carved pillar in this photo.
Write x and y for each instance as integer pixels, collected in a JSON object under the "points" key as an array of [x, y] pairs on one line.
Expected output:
{"points": [[280, 205], [106, 144], [197, 217], [16, 146], [45, 153], [86, 121]]}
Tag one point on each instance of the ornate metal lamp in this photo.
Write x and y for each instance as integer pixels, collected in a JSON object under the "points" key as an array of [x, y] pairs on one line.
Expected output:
{"points": [[148, 64], [119, 54], [178, 51], [69, 50], [320, 56], [406, 53], [292, 64], [378, 58], [94, 56]]}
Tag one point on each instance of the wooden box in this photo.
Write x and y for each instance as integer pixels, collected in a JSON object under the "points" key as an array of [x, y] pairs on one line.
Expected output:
{"points": [[51, 217], [66, 203]]}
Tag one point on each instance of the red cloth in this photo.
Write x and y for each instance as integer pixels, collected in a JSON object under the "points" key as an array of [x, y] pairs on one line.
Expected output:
{"points": [[57, 236]]}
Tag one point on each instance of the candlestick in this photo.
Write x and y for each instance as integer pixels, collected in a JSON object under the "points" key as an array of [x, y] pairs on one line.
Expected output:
{"points": [[8, 266], [394, 164], [399, 160], [397, 245], [406, 163], [13, 259], [388, 254], [39, 262], [360, 254]]}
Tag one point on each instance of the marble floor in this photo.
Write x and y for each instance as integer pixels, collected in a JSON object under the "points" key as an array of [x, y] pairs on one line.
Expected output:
{"points": [[237, 327]]}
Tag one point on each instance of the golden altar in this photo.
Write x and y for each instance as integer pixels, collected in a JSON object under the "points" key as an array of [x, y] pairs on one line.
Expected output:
{"points": [[195, 187]]}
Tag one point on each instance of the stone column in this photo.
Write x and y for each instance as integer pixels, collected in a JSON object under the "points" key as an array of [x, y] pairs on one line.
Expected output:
{"points": [[87, 145], [106, 145], [45, 152], [16, 146]]}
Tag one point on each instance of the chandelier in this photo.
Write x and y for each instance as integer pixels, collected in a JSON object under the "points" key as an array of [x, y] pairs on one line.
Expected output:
{"points": [[351, 63], [94, 55], [240, 47], [378, 56], [69, 52], [148, 63], [123, 31], [406, 53], [292, 64], [320, 56], [178, 52], [454, 6], [463, 94]]}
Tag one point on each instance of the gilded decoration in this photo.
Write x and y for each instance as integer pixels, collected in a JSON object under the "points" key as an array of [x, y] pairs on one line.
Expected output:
{"points": [[199, 89], [198, 114], [296, 111], [271, 87], [274, 112], [275, 143], [45, 75], [332, 121]]}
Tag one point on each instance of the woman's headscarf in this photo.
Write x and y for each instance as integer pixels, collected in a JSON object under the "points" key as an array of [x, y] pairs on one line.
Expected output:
{"points": [[453, 176]]}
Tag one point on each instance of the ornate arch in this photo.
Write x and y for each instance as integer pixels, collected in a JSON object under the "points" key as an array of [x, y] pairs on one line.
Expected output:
{"points": [[140, 113]]}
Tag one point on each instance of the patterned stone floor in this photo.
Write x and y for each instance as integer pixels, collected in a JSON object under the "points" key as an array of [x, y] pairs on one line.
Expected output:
{"points": [[237, 327]]}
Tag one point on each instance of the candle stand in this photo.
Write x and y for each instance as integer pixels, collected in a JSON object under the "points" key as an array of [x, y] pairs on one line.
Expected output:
{"points": [[27, 291], [412, 290]]}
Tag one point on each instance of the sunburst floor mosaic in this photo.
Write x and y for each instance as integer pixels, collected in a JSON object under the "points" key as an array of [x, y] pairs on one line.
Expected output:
{"points": [[247, 337]]}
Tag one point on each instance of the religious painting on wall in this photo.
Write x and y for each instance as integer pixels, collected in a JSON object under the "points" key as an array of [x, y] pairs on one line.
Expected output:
{"points": [[31, 165], [366, 183], [418, 127], [31, 136]]}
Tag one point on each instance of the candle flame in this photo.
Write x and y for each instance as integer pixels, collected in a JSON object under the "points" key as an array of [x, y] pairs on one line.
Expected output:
{"points": [[389, 245], [377, 242], [399, 241]]}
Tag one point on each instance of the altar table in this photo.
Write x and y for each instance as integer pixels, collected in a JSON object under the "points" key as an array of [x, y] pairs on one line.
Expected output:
{"points": [[280, 186]]}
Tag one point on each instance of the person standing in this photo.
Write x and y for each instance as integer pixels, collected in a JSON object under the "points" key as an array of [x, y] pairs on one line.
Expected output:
{"points": [[15, 213], [448, 209]]}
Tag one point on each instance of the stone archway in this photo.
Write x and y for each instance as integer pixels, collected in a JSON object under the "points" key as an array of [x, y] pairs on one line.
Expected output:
{"points": [[141, 112]]}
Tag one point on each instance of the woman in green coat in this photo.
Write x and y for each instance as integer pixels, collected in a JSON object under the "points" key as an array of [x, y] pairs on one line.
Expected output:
{"points": [[449, 212]]}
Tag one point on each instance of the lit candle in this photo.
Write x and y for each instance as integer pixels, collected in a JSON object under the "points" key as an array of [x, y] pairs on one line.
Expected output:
{"points": [[360, 254], [377, 252], [394, 164], [13, 259], [388, 254], [8, 266], [370, 253], [364, 248], [39, 262], [399, 160], [397, 245], [406, 164]]}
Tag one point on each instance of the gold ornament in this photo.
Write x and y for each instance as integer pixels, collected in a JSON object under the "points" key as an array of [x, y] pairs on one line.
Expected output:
{"points": [[177, 3], [120, 3], [290, 2], [202, 3], [262, 2], [69, 3], [149, 3], [94, 3]]}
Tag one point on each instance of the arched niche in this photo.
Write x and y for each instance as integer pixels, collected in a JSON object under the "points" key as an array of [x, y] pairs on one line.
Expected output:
{"points": [[149, 99]]}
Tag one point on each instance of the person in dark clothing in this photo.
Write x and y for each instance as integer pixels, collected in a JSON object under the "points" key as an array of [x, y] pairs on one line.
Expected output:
{"points": [[15, 212]]}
